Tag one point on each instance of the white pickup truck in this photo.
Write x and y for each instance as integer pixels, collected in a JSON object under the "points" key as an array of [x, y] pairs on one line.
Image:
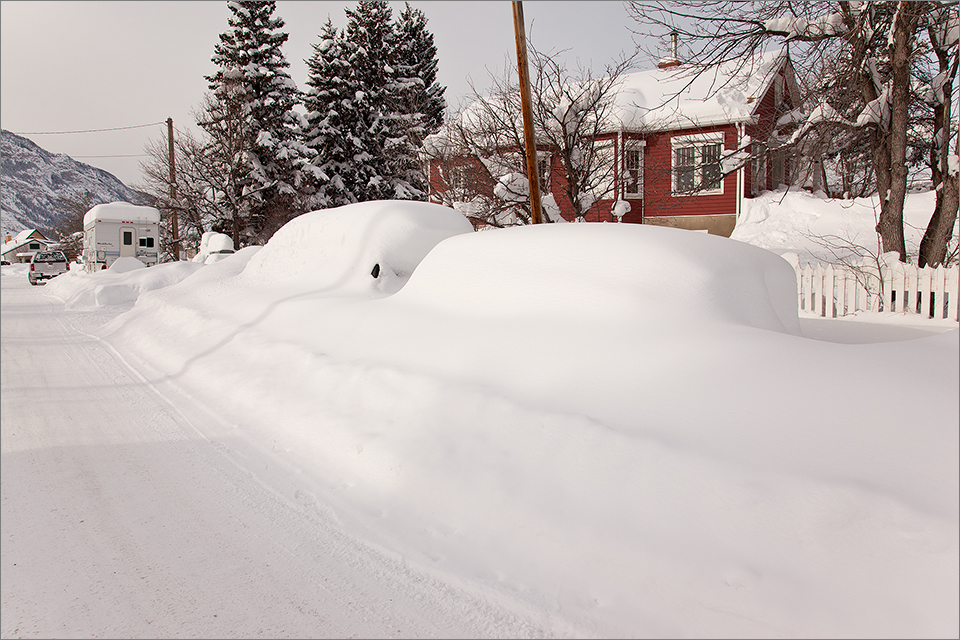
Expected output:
{"points": [[45, 265]]}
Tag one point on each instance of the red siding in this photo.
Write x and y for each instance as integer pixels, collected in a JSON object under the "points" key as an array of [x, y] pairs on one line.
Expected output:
{"points": [[658, 196]]}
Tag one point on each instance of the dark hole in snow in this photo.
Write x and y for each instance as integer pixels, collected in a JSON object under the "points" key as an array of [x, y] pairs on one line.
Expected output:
{"points": [[376, 270]]}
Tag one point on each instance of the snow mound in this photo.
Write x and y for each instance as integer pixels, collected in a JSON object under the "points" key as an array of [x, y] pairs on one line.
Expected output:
{"points": [[612, 275], [126, 264], [364, 248], [116, 286]]}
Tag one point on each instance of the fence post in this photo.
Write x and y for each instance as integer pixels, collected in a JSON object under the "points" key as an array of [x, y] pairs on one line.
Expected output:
{"points": [[818, 290], [953, 289], [829, 293]]}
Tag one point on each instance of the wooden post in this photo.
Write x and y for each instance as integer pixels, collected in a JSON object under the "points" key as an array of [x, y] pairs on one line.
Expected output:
{"points": [[175, 231], [533, 173]]}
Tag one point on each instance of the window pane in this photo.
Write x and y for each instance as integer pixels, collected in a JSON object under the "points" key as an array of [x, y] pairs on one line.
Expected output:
{"points": [[633, 160], [711, 166], [684, 161], [149, 242], [127, 237]]}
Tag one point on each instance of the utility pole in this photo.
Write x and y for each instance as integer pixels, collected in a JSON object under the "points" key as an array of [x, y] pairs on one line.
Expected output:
{"points": [[523, 71], [173, 193]]}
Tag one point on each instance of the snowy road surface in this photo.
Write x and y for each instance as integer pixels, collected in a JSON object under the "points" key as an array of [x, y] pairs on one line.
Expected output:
{"points": [[121, 517]]}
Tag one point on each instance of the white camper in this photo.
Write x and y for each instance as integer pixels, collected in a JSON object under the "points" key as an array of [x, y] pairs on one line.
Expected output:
{"points": [[119, 229]]}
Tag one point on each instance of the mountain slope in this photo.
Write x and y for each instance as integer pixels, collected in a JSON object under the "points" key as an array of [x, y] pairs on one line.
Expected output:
{"points": [[33, 181]]}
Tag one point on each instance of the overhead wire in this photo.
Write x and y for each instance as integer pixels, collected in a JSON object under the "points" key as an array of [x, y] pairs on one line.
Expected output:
{"points": [[136, 126], [57, 133]]}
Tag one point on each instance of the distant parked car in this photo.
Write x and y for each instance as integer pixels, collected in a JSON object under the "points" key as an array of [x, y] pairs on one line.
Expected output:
{"points": [[3, 262], [45, 265]]}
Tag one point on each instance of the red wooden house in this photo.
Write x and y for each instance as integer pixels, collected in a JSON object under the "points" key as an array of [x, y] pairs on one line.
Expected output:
{"points": [[686, 149]]}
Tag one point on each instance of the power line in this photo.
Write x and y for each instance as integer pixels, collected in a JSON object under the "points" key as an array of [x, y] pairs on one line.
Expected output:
{"points": [[134, 155], [56, 133]]}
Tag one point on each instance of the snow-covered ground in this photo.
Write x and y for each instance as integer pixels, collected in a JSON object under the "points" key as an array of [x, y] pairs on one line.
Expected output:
{"points": [[575, 430], [819, 229]]}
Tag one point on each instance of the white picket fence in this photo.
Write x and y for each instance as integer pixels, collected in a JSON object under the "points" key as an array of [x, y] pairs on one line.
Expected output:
{"points": [[833, 291]]}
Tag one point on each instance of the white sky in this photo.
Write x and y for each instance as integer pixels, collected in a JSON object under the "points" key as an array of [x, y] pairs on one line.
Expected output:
{"points": [[68, 66]]}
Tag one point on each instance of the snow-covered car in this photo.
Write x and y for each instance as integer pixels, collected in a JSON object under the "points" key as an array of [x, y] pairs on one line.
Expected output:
{"points": [[45, 265]]}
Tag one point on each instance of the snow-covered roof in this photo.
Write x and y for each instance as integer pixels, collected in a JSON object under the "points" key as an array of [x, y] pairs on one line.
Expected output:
{"points": [[22, 239], [684, 97], [677, 97], [121, 212]]}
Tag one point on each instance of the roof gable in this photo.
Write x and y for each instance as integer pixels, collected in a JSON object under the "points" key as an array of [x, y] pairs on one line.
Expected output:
{"points": [[683, 97], [26, 234]]}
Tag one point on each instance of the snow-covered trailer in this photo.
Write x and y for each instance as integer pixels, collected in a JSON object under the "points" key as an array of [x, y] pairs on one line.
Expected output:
{"points": [[120, 229]]}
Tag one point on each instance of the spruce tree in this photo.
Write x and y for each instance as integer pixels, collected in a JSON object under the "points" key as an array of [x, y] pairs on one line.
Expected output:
{"points": [[254, 86], [332, 123], [418, 98], [416, 63], [371, 38]]}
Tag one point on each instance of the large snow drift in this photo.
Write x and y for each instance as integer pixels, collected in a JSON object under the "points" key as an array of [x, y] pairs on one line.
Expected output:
{"points": [[617, 430]]}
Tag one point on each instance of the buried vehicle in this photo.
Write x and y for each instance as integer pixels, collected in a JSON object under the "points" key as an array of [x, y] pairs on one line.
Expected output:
{"points": [[45, 265]]}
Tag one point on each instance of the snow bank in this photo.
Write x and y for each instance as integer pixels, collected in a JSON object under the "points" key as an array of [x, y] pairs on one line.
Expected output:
{"points": [[122, 284], [825, 230], [617, 428]]}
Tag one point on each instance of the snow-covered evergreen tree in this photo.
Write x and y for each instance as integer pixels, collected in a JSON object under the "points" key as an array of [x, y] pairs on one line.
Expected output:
{"points": [[393, 170], [253, 84], [332, 123], [419, 98], [416, 63], [370, 34]]}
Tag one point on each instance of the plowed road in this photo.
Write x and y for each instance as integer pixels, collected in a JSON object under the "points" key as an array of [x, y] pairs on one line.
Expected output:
{"points": [[121, 519]]}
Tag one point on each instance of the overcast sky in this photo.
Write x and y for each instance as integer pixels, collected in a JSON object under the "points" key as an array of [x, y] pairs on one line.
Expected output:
{"points": [[67, 66]]}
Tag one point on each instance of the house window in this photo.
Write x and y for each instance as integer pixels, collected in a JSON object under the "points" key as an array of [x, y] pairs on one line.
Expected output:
{"points": [[458, 177], [696, 164], [34, 246], [543, 173], [633, 169]]}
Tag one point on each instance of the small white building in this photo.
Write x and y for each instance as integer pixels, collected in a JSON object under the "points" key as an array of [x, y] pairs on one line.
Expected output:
{"points": [[21, 247], [120, 229]]}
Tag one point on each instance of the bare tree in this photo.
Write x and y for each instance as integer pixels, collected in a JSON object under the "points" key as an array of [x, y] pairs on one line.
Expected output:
{"points": [[480, 149], [873, 46], [69, 230], [942, 33]]}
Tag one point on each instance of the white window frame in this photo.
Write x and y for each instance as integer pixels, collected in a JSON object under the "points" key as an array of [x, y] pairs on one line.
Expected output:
{"points": [[638, 147], [697, 141]]}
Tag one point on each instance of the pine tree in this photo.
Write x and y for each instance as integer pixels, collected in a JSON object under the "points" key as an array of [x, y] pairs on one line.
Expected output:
{"points": [[252, 84], [332, 123], [370, 33], [418, 98], [416, 62]]}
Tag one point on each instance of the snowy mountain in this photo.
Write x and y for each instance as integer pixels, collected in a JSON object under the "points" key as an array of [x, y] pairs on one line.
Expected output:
{"points": [[33, 181]]}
